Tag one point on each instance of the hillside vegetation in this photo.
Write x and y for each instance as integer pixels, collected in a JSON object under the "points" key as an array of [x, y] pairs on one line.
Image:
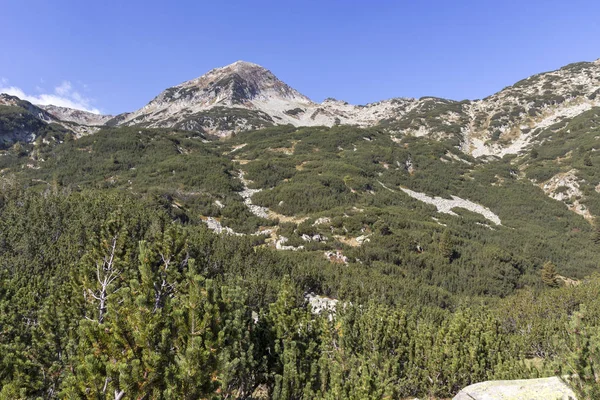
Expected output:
{"points": [[432, 301]]}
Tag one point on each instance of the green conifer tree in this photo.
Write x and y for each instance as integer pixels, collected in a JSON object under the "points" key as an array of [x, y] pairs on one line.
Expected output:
{"points": [[583, 365], [549, 274], [446, 246]]}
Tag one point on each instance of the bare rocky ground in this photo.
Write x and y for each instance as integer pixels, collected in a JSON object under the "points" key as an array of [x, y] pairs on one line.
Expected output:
{"points": [[446, 205], [524, 389]]}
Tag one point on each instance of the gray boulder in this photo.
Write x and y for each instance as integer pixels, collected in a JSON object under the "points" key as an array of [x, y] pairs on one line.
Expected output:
{"points": [[524, 389]]}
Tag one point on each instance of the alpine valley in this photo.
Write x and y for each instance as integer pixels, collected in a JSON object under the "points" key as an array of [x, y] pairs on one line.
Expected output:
{"points": [[235, 239]]}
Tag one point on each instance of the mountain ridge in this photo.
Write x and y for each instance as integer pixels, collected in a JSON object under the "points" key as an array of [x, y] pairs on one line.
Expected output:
{"points": [[502, 123], [245, 96], [78, 116]]}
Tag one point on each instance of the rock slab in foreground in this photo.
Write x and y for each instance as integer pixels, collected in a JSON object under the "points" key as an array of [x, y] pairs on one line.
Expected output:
{"points": [[524, 389]]}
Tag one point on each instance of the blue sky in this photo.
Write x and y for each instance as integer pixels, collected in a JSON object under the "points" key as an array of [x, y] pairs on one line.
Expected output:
{"points": [[115, 56]]}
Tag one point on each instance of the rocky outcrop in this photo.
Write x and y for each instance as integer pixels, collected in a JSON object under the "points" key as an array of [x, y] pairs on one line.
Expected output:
{"points": [[216, 226], [565, 187], [247, 193], [77, 116], [525, 389], [319, 304], [446, 205], [336, 257], [280, 244]]}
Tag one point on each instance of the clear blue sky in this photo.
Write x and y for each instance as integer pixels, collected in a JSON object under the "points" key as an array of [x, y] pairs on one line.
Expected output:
{"points": [[116, 56]]}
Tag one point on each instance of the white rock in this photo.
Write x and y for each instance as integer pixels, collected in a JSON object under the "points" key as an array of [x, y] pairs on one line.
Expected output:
{"points": [[279, 244], [524, 389], [326, 220], [247, 193], [362, 239], [446, 205], [336, 257], [319, 304]]}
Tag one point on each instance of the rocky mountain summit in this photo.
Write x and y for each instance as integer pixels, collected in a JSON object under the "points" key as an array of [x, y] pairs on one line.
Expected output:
{"points": [[244, 96]]}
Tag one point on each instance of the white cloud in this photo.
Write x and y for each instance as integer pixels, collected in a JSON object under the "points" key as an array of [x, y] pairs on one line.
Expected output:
{"points": [[63, 96], [3, 81], [64, 88]]}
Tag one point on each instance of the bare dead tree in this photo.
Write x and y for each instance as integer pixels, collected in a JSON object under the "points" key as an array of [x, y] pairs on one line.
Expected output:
{"points": [[163, 288], [118, 393], [106, 273]]}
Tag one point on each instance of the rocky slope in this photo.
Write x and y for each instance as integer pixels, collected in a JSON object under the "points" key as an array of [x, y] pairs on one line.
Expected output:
{"points": [[37, 112], [77, 116], [21, 121], [508, 121], [24, 122]]}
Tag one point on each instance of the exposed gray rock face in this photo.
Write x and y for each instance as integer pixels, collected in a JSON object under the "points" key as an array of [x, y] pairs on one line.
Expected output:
{"points": [[20, 121], [319, 304], [26, 120], [77, 116], [524, 389]]}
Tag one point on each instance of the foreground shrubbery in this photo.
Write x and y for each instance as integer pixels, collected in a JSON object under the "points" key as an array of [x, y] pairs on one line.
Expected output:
{"points": [[110, 283], [104, 295]]}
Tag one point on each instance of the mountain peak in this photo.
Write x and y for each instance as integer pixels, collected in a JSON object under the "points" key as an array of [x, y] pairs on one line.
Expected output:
{"points": [[239, 67], [245, 72], [244, 64], [241, 84]]}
